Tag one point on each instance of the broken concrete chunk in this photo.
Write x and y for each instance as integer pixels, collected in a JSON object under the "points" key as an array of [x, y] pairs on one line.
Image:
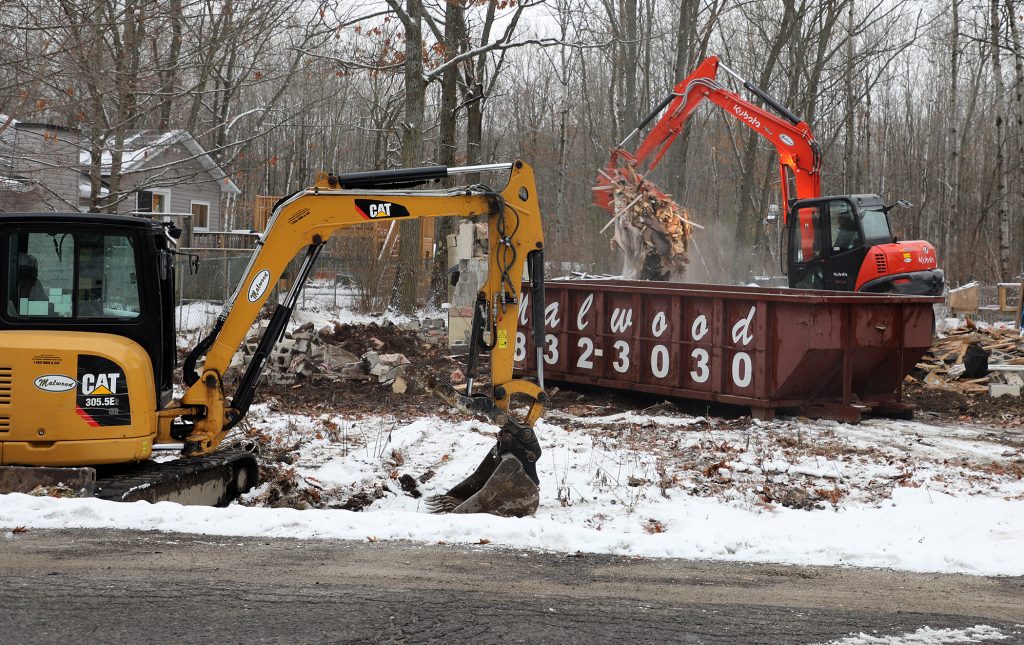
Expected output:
{"points": [[336, 356], [354, 372], [393, 359]]}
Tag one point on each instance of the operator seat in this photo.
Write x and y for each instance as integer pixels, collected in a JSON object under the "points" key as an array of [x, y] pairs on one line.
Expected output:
{"points": [[847, 237], [28, 285]]}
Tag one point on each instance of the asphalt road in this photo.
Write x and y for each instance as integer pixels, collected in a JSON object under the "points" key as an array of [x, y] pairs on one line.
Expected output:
{"points": [[127, 587]]}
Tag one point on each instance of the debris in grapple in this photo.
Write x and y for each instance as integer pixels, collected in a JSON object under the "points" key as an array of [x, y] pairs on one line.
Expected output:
{"points": [[651, 229]]}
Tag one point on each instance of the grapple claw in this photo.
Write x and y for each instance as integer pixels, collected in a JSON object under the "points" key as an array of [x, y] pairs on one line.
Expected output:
{"points": [[499, 486]]}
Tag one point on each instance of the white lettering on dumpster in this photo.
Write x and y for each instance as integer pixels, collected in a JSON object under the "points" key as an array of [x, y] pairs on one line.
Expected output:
{"points": [[742, 365], [551, 318], [700, 327], [581, 317], [622, 319], [659, 354], [698, 330], [741, 330]]}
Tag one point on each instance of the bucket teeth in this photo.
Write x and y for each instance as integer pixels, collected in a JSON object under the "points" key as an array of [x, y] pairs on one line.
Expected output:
{"points": [[499, 486], [442, 503]]}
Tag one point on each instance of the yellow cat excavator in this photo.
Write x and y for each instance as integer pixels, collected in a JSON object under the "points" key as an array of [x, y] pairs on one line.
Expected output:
{"points": [[87, 341]]}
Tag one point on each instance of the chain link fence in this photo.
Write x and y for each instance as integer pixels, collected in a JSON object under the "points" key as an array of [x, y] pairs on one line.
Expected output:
{"points": [[206, 279]]}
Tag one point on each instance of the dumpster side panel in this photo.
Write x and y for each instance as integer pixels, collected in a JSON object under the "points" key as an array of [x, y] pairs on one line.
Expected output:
{"points": [[766, 348]]}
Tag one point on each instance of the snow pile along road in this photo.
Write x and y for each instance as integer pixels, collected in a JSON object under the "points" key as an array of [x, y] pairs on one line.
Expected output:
{"points": [[902, 495]]}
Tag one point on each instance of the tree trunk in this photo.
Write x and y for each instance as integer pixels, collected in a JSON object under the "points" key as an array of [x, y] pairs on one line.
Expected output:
{"points": [[447, 144], [1003, 214], [747, 221], [407, 271], [169, 70], [1018, 115], [849, 159], [686, 38], [630, 64], [946, 224]]}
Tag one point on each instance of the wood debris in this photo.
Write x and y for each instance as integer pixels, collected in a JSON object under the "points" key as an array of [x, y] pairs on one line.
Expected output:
{"points": [[969, 359], [652, 231]]}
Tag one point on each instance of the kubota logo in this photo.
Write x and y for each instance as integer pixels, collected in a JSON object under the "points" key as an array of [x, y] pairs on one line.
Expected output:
{"points": [[258, 286], [55, 383], [786, 139]]}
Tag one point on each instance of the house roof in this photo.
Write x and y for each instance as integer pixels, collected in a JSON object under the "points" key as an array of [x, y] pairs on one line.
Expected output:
{"points": [[143, 147]]}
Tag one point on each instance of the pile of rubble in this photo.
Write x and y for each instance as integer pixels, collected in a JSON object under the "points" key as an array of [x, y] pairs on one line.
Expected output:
{"points": [[346, 353], [975, 360], [652, 231]]}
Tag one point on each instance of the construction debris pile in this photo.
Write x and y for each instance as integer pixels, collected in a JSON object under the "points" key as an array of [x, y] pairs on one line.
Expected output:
{"points": [[371, 353], [652, 231], [975, 360]]}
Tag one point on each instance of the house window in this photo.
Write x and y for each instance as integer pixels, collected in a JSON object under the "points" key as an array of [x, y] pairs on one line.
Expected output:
{"points": [[200, 214], [153, 201]]}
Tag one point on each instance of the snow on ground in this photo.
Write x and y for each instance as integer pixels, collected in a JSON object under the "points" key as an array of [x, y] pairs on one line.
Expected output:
{"points": [[901, 495], [920, 496], [929, 636]]}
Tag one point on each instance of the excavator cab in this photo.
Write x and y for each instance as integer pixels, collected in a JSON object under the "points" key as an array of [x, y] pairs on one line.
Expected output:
{"points": [[86, 337], [845, 243]]}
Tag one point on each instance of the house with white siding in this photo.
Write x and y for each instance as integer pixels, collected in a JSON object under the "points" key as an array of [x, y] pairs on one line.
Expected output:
{"points": [[47, 168]]}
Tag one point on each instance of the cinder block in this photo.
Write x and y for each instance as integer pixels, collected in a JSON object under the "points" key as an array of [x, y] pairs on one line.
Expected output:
{"points": [[996, 390]]}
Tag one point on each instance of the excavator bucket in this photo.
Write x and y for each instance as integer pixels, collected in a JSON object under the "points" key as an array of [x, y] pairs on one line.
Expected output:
{"points": [[498, 486]]}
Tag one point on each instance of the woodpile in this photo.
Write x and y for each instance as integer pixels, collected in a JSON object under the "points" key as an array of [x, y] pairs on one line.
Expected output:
{"points": [[652, 231], [974, 360]]}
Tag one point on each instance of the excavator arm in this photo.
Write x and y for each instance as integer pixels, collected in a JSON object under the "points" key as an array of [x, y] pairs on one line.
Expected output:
{"points": [[799, 156], [304, 222]]}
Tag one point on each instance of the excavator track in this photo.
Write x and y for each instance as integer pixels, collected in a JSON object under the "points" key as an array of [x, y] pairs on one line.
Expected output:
{"points": [[209, 480]]}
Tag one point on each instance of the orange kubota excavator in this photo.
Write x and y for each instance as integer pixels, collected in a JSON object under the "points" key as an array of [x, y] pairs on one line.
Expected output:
{"points": [[842, 242]]}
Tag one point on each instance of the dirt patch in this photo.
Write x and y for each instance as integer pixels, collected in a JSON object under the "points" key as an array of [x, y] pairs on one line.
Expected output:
{"points": [[1005, 411]]}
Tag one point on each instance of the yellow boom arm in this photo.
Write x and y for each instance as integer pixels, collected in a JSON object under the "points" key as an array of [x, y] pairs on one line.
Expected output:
{"points": [[306, 220]]}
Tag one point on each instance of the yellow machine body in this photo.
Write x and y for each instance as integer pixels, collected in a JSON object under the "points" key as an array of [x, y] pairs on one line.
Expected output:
{"points": [[82, 398]]}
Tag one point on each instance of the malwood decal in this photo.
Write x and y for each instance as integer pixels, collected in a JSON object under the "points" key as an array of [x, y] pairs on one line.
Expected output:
{"points": [[55, 383], [259, 285]]}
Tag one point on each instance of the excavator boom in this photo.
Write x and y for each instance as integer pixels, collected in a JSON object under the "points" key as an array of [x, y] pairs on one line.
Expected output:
{"points": [[799, 155]]}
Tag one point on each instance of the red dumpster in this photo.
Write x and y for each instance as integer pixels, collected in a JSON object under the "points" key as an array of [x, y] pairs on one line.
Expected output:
{"points": [[818, 353]]}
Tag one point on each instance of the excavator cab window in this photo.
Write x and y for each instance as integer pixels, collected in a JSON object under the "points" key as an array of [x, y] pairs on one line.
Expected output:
{"points": [[74, 274], [844, 231], [876, 226], [805, 247]]}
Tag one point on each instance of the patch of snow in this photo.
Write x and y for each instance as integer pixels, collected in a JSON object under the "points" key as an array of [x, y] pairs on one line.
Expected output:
{"points": [[928, 636]]}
